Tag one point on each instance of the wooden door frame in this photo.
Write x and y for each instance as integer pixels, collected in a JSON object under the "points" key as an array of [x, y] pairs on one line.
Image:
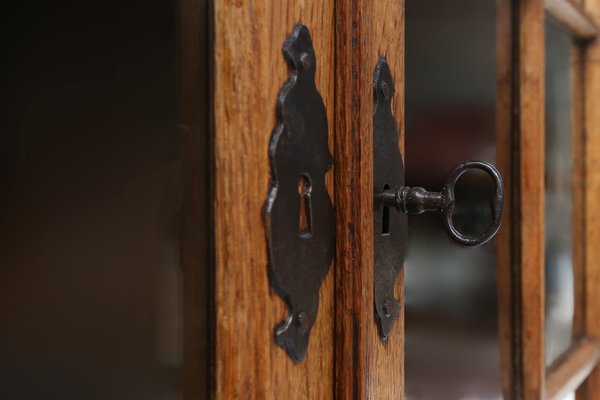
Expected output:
{"points": [[520, 242], [248, 72], [247, 38], [520, 155], [362, 367], [591, 233], [366, 368], [214, 37]]}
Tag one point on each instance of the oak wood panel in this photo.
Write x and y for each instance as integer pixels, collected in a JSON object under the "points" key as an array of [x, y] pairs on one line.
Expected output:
{"points": [[531, 186], [571, 369], [571, 16], [366, 368], [520, 157], [591, 389], [249, 70]]}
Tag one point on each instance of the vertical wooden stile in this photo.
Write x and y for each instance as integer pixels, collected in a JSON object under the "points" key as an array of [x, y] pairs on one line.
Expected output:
{"points": [[366, 368]]}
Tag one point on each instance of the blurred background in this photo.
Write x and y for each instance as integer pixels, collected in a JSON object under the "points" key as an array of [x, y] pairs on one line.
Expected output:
{"points": [[452, 347], [90, 281], [559, 197], [452, 344]]}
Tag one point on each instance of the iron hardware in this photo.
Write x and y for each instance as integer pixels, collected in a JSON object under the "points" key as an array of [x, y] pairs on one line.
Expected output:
{"points": [[391, 229], [416, 200], [298, 214]]}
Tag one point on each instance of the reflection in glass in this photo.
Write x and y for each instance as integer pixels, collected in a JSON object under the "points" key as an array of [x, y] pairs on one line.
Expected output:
{"points": [[452, 349], [559, 211]]}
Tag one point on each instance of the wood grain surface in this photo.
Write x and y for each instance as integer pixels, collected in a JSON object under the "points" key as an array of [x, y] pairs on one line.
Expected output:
{"points": [[573, 17], [366, 368], [591, 389], [571, 369], [531, 187], [520, 157], [248, 72]]}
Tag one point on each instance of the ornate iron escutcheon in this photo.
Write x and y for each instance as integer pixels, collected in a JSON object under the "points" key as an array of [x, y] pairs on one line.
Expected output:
{"points": [[298, 214], [390, 228]]}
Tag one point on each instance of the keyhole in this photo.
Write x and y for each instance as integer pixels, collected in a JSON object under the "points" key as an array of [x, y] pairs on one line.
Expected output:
{"points": [[305, 215], [385, 218]]}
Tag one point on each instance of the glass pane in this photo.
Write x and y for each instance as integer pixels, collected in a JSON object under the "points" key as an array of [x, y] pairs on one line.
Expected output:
{"points": [[90, 283], [559, 213], [452, 347]]}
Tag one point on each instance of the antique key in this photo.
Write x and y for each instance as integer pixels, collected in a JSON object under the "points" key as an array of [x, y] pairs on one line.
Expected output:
{"points": [[390, 237], [416, 200]]}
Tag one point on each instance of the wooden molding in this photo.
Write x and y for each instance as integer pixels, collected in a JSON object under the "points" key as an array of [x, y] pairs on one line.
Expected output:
{"points": [[590, 390], [520, 158], [571, 369], [573, 18], [366, 368]]}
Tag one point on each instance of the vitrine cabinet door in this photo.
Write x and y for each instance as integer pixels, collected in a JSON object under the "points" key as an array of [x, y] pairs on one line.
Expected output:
{"points": [[249, 71], [366, 366]]}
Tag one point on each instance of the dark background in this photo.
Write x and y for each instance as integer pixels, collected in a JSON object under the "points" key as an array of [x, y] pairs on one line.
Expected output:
{"points": [[90, 282]]}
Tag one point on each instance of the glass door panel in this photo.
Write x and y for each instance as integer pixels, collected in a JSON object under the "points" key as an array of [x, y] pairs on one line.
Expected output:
{"points": [[451, 313]]}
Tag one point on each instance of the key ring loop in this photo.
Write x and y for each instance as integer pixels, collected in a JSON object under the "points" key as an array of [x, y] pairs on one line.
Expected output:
{"points": [[449, 200]]}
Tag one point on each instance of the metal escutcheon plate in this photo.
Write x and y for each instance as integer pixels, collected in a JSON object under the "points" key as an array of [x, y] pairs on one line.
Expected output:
{"points": [[390, 227], [299, 216]]}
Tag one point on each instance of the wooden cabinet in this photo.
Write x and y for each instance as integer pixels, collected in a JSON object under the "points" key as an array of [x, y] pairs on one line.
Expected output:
{"points": [[231, 69]]}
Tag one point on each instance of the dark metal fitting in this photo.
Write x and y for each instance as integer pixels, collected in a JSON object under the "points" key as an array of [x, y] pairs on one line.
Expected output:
{"points": [[416, 200]]}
